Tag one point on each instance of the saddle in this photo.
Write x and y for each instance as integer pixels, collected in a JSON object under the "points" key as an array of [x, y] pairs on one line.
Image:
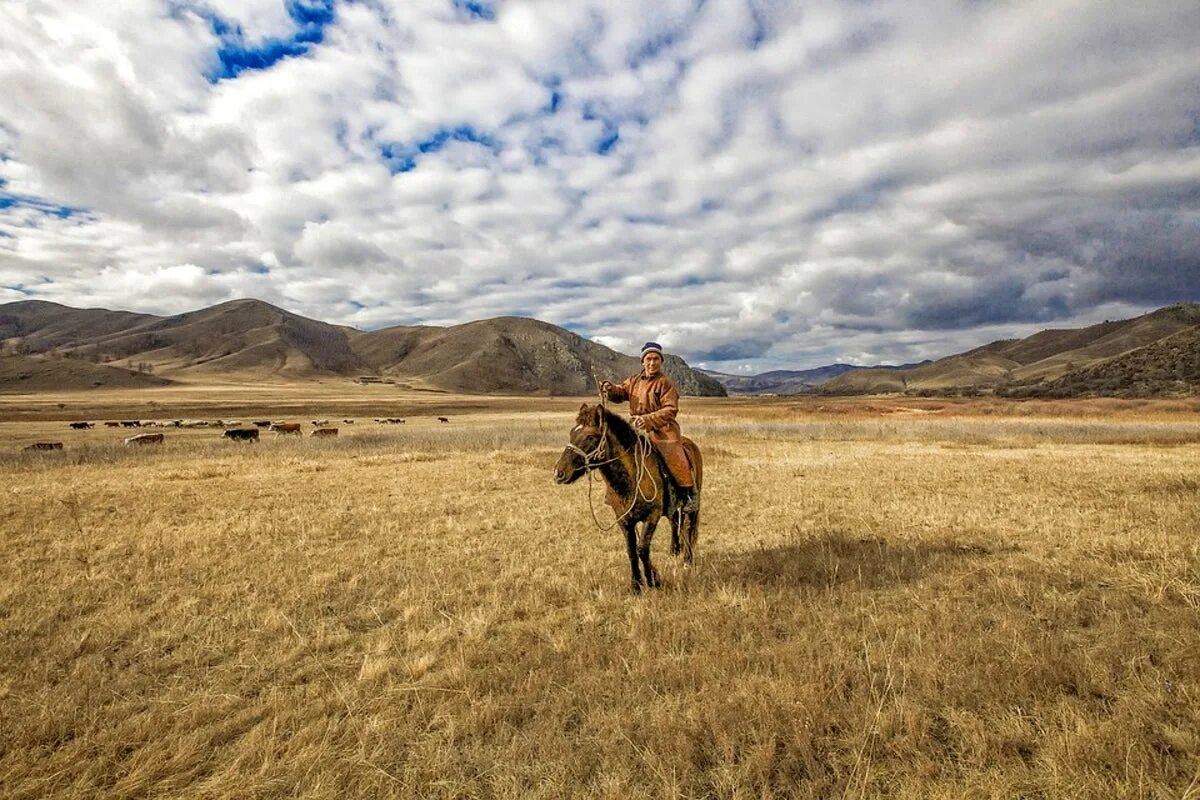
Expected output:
{"points": [[675, 493]]}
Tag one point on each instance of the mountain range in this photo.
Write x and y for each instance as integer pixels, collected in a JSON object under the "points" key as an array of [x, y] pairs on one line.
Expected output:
{"points": [[48, 345], [785, 381]]}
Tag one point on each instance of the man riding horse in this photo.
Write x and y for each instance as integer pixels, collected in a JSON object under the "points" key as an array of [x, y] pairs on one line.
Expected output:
{"points": [[653, 404]]}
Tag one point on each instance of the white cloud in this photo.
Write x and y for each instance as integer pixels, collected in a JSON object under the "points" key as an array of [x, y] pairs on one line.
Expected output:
{"points": [[781, 186]]}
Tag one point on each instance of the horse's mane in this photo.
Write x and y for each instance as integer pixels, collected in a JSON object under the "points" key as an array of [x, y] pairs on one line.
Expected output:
{"points": [[624, 432]]}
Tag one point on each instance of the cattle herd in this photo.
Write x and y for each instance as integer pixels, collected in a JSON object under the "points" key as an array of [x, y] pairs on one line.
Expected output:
{"points": [[233, 430]]}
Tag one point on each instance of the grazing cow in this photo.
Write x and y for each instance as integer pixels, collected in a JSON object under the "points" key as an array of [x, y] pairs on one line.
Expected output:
{"points": [[324, 432], [348, 421], [443, 419], [262, 423], [112, 424], [45, 446], [320, 423], [241, 434], [145, 438], [286, 428], [131, 423], [82, 426]]}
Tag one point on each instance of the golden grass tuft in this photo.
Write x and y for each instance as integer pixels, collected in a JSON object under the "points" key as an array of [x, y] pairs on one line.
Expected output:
{"points": [[951, 604]]}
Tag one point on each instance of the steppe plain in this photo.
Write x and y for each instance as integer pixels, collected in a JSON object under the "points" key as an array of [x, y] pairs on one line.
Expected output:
{"points": [[893, 597]]}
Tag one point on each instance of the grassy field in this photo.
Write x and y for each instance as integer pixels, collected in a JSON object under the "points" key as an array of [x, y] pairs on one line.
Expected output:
{"points": [[892, 598]]}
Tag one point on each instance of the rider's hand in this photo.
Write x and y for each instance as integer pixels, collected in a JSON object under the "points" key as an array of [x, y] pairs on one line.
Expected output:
{"points": [[639, 424]]}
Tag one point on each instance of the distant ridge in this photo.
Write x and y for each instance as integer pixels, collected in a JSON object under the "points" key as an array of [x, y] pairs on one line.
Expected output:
{"points": [[1069, 359], [780, 381], [245, 340]]}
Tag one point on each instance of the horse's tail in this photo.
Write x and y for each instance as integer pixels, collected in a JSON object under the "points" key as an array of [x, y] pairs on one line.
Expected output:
{"points": [[692, 520], [693, 454]]}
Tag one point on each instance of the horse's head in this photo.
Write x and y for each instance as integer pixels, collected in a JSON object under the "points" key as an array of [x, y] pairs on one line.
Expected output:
{"points": [[586, 445]]}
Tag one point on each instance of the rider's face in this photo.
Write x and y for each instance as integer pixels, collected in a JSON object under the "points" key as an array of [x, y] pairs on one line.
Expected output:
{"points": [[652, 364]]}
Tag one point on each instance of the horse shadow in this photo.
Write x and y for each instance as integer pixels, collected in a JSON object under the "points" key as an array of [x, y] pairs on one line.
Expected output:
{"points": [[838, 558]]}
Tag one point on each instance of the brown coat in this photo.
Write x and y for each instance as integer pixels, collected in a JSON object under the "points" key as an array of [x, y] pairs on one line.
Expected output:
{"points": [[656, 401]]}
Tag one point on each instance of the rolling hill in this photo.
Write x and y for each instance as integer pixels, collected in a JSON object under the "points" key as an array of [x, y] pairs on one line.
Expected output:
{"points": [[246, 337], [1168, 366], [1043, 358], [509, 354], [40, 373], [252, 340]]}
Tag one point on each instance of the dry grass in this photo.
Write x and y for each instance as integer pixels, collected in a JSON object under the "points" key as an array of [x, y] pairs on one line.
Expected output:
{"points": [[951, 604]]}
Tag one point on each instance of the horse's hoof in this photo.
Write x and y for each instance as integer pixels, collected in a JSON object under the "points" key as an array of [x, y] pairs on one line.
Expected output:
{"points": [[635, 588]]}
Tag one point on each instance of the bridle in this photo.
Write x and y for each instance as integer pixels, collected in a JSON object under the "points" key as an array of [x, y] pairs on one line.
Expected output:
{"points": [[598, 452], [641, 454]]}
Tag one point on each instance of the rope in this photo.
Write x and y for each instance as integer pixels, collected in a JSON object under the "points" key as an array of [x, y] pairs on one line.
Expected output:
{"points": [[641, 453]]}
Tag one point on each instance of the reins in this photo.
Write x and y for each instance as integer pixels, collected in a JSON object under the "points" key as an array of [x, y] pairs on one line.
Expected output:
{"points": [[641, 452]]}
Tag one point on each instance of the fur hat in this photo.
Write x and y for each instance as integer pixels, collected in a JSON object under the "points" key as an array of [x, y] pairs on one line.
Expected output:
{"points": [[651, 347]]}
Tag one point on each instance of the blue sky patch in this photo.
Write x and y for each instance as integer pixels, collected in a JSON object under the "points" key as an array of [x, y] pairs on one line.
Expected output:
{"points": [[476, 9], [553, 85], [758, 34], [397, 160], [608, 139], [235, 55], [403, 157], [611, 132], [9, 200]]}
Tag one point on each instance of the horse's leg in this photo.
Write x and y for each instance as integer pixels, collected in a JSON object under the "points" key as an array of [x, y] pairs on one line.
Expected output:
{"points": [[691, 534], [675, 544], [631, 544], [644, 551]]}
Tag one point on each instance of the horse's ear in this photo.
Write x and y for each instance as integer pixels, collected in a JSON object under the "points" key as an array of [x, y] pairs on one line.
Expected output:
{"points": [[589, 414], [584, 415]]}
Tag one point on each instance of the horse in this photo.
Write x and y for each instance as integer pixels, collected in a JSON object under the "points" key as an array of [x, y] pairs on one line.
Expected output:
{"points": [[640, 489]]}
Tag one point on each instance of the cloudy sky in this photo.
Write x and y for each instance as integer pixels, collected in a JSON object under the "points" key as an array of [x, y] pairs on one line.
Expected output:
{"points": [[757, 184]]}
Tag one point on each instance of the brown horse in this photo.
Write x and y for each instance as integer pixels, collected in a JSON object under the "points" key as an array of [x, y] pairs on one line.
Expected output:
{"points": [[640, 489]]}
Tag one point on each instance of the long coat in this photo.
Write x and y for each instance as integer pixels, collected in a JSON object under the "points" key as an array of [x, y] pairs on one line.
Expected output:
{"points": [[656, 401]]}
